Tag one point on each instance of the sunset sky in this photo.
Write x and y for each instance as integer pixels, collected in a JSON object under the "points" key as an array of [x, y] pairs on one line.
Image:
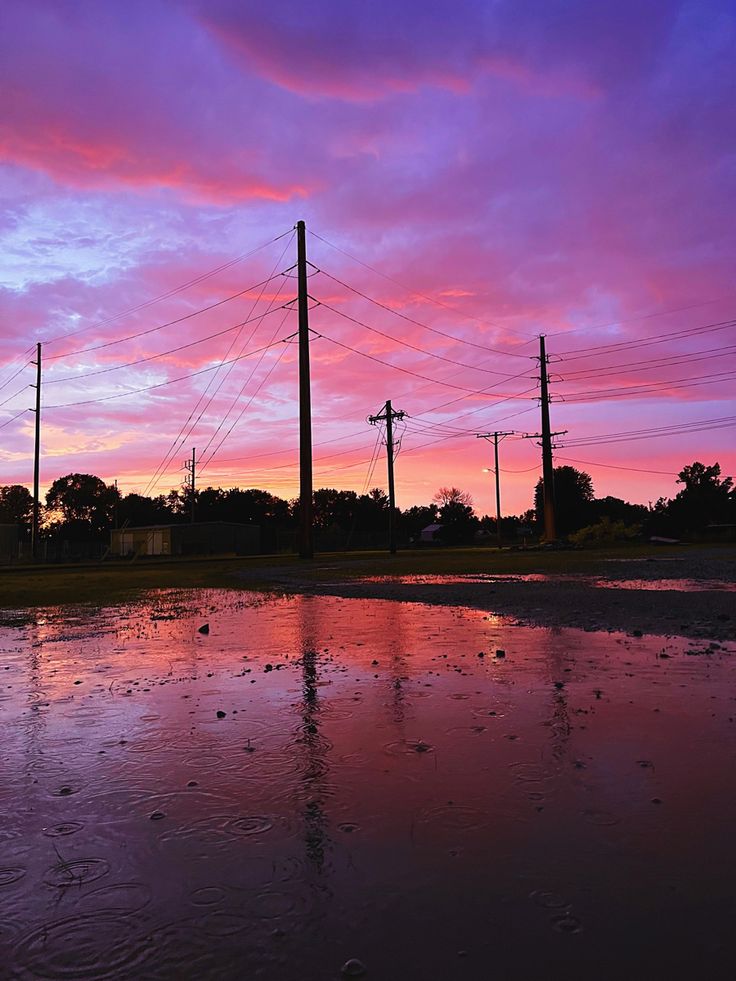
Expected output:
{"points": [[472, 174]]}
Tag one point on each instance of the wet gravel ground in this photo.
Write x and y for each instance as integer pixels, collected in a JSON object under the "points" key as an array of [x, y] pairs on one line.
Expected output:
{"points": [[692, 597], [224, 785]]}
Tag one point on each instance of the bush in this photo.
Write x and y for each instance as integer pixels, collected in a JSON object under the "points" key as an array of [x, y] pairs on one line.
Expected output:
{"points": [[605, 532]]}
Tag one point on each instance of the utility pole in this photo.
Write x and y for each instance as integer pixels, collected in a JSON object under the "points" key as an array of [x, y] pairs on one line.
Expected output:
{"points": [[191, 467], [495, 437], [36, 457], [389, 415], [550, 531], [306, 529]]}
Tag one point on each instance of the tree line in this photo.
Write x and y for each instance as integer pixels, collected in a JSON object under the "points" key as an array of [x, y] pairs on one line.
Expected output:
{"points": [[83, 507]]}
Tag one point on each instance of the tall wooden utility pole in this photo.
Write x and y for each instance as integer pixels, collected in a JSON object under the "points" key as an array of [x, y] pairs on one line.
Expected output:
{"points": [[495, 437], [36, 458], [306, 530], [550, 531], [191, 466], [388, 417], [548, 476]]}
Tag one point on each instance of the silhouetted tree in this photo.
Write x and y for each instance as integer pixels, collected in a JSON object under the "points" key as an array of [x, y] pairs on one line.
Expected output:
{"points": [[16, 505], [573, 490], [137, 510], [615, 509], [455, 514], [258, 507], [85, 504], [704, 499]]}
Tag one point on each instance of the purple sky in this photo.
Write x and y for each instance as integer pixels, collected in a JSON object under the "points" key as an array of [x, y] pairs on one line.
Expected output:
{"points": [[505, 169]]}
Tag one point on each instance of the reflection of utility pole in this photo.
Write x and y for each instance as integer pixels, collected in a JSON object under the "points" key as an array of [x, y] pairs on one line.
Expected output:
{"points": [[550, 531], [495, 438], [388, 417], [306, 505], [191, 467], [36, 457]]}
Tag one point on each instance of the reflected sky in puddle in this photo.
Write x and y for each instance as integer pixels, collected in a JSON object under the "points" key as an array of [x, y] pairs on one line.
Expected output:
{"points": [[656, 585], [431, 790]]}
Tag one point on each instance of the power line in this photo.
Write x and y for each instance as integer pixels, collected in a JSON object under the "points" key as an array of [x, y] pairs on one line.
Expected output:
{"points": [[653, 363], [13, 418], [613, 466], [640, 317], [160, 354], [15, 374], [407, 289], [582, 352], [691, 381], [169, 323], [10, 398], [187, 430], [681, 429], [412, 347], [169, 293], [245, 407], [418, 323], [171, 381], [257, 456], [406, 371]]}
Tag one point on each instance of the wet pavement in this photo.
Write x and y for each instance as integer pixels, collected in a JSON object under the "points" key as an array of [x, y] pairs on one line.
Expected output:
{"points": [[433, 791]]}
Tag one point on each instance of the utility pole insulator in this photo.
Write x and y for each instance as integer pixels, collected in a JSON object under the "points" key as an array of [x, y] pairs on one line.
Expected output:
{"points": [[389, 416]]}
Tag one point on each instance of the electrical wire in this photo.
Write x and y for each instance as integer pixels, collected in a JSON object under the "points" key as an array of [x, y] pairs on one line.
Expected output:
{"points": [[13, 418], [171, 381], [419, 323], [412, 347], [650, 365], [169, 323], [640, 317], [423, 296], [613, 466], [15, 374], [583, 352], [406, 371], [186, 430], [10, 398], [691, 381], [161, 354], [245, 407], [165, 296]]}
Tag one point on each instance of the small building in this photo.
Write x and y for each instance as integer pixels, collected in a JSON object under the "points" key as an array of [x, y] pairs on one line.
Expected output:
{"points": [[199, 538], [430, 535]]}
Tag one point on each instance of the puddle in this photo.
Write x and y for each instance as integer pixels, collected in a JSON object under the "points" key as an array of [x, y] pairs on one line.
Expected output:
{"points": [[320, 779], [657, 585]]}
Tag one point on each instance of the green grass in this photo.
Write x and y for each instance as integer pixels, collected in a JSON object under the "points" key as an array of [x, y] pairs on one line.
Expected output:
{"points": [[114, 582]]}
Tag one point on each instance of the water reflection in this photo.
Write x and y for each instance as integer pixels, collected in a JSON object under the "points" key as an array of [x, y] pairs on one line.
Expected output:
{"points": [[318, 779]]}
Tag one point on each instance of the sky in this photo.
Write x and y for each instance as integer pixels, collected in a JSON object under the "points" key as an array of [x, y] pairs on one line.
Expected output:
{"points": [[471, 175]]}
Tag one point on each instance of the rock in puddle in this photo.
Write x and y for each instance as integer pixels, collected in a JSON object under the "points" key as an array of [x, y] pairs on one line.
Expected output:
{"points": [[353, 968]]}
